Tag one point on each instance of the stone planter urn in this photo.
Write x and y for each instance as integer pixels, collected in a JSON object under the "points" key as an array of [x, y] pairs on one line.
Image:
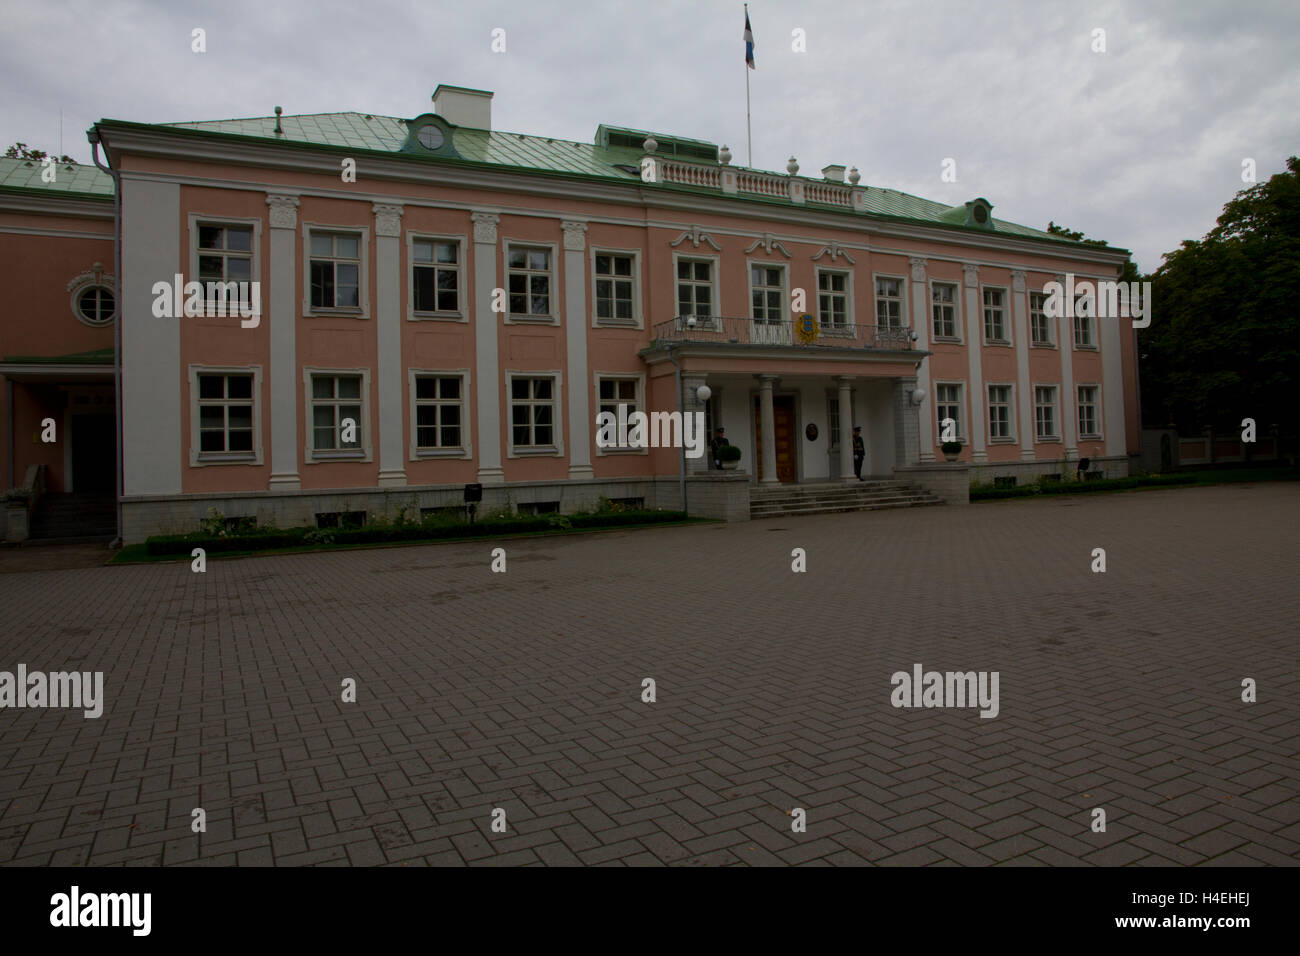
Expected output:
{"points": [[729, 456], [951, 450]]}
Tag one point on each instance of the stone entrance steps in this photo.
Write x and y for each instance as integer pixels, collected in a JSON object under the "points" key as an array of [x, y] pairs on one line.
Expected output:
{"points": [[85, 516], [837, 496]]}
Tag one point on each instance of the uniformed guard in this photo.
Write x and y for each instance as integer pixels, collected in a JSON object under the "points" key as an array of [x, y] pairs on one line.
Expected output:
{"points": [[859, 451]]}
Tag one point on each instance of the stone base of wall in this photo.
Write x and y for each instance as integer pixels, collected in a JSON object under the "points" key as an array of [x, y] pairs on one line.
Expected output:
{"points": [[13, 524], [708, 496], [1025, 472], [948, 480]]}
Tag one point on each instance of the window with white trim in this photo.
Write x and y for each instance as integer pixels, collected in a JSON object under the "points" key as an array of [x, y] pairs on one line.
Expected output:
{"points": [[618, 391], [336, 401], [695, 287], [1083, 332], [889, 302], [948, 404], [615, 288], [943, 303], [435, 275], [833, 299], [528, 281], [225, 253], [1045, 428], [995, 315], [335, 270], [225, 404], [439, 411], [999, 412], [1089, 426], [95, 305], [1040, 323], [767, 293], [532, 412]]}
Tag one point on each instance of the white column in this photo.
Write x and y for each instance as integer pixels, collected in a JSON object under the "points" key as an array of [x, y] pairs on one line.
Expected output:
{"points": [[768, 425], [974, 348], [1065, 394], [388, 319], [921, 325], [691, 405], [153, 445], [575, 338], [1112, 385], [845, 383], [284, 379], [1024, 391], [486, 367]]}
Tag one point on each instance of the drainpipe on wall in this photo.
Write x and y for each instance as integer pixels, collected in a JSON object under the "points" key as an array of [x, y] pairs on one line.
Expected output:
{"points": [[93, 137], [681, 408]]}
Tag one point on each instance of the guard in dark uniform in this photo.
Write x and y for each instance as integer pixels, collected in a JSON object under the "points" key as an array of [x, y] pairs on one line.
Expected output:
{"points": [[859, 451], [719, 439]]}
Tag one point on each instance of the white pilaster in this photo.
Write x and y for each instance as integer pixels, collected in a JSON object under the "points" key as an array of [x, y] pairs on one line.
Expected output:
{"points": [[691, 405], [1112, 384], [1065, 395], [284, 380], [487, 368], [921, 325], [845, 383], [152, 441], [974, 349], [1024, 391], [575, 338], [388, 271], [768, 425]]}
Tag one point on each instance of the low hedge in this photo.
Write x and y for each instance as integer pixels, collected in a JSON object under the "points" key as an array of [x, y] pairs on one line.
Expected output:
{"points": [[184, 544], [987, 493]]}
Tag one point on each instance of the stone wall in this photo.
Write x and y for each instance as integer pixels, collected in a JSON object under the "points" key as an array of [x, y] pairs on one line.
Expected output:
{"points": [[949, 481]]}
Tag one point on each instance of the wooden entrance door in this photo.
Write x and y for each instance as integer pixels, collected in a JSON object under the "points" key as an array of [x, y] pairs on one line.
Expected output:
{"points": [[783, 426]]}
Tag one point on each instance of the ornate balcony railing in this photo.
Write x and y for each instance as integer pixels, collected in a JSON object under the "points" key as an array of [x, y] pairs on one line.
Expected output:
{"points": [[796, 333]]}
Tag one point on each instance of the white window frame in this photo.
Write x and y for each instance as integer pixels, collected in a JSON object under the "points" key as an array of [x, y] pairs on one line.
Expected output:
{"points": [[903, 318], [638, 319], [466, 448], [961, 409], [203, 460], [1010, 437], [310, 455], [849, 320], [462, 250], [784, 315], [255, 272], [1050, 343], [363, 271], [956, 286], [555, 450], [715, 290], [1096, 414], [1056, 417], [1004, 308], [639, 378], [553, 248], [1093, 324]]}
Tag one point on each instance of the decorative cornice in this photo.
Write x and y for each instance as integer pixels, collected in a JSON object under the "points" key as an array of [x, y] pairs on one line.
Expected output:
{"points": [[388, 219], [284, 210], [696, 235], [575, 234], [93, 276], [767, 242], [918, 268], [485, 226]]}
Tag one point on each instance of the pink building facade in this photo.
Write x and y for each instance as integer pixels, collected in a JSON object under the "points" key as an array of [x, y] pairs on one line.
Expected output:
{"points": [[440, 304]]}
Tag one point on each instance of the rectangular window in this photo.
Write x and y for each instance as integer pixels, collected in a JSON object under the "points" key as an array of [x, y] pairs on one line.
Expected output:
{"points": [[695, 287], [335, 270], [225, 416], [1040, 323], [889, 302], [767, 292], [225, 253], [1088, 427], [995, 324], [833, 419], [1045, 412], [943, 301], [618, 391], [532, 412], [528, 281], [833, 299], [948, 405], [337, 424], [999, 412], [1083, 331], [438, 412], [615, 287], [435, 271]]}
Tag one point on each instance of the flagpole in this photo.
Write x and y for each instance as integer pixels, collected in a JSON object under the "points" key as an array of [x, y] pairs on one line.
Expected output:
{"points": [[749, 134]]}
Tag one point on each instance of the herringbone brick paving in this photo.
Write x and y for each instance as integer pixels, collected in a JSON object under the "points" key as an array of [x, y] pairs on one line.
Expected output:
{"points": [[523, 691]]}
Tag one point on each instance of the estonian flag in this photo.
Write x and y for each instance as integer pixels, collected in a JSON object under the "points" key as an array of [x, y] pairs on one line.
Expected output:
{"points": [[749, 43]]}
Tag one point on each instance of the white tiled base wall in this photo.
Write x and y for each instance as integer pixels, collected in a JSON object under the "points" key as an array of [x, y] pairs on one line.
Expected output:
{"points": [[1026, 472]]}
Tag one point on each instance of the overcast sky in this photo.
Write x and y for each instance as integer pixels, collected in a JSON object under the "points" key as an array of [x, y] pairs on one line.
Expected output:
{"points": [[1140, 145]]}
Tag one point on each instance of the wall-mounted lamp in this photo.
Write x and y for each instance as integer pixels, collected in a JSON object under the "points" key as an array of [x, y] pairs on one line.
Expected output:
{"points": [[918, 396], [704, 393]]}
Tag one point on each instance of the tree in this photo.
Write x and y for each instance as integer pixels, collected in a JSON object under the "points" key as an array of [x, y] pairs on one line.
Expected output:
{"points": [[22, 151], [1224, 340], [1130, 272]]}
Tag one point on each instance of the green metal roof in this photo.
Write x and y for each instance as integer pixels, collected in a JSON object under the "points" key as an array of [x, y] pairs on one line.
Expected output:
{"points": [[69, 178], [95, 357]]}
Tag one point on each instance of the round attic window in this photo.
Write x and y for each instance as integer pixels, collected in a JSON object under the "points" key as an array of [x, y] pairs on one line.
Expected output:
{"points": [[94, 305], [981, 213], [430, 137]]}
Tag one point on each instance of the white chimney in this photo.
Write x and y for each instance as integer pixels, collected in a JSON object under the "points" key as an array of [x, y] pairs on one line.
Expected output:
{"points": [[833, 174], [461, 106]]}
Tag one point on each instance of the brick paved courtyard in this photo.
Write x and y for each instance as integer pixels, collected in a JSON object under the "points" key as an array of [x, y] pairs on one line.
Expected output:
{"points": [[523, 691]]}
